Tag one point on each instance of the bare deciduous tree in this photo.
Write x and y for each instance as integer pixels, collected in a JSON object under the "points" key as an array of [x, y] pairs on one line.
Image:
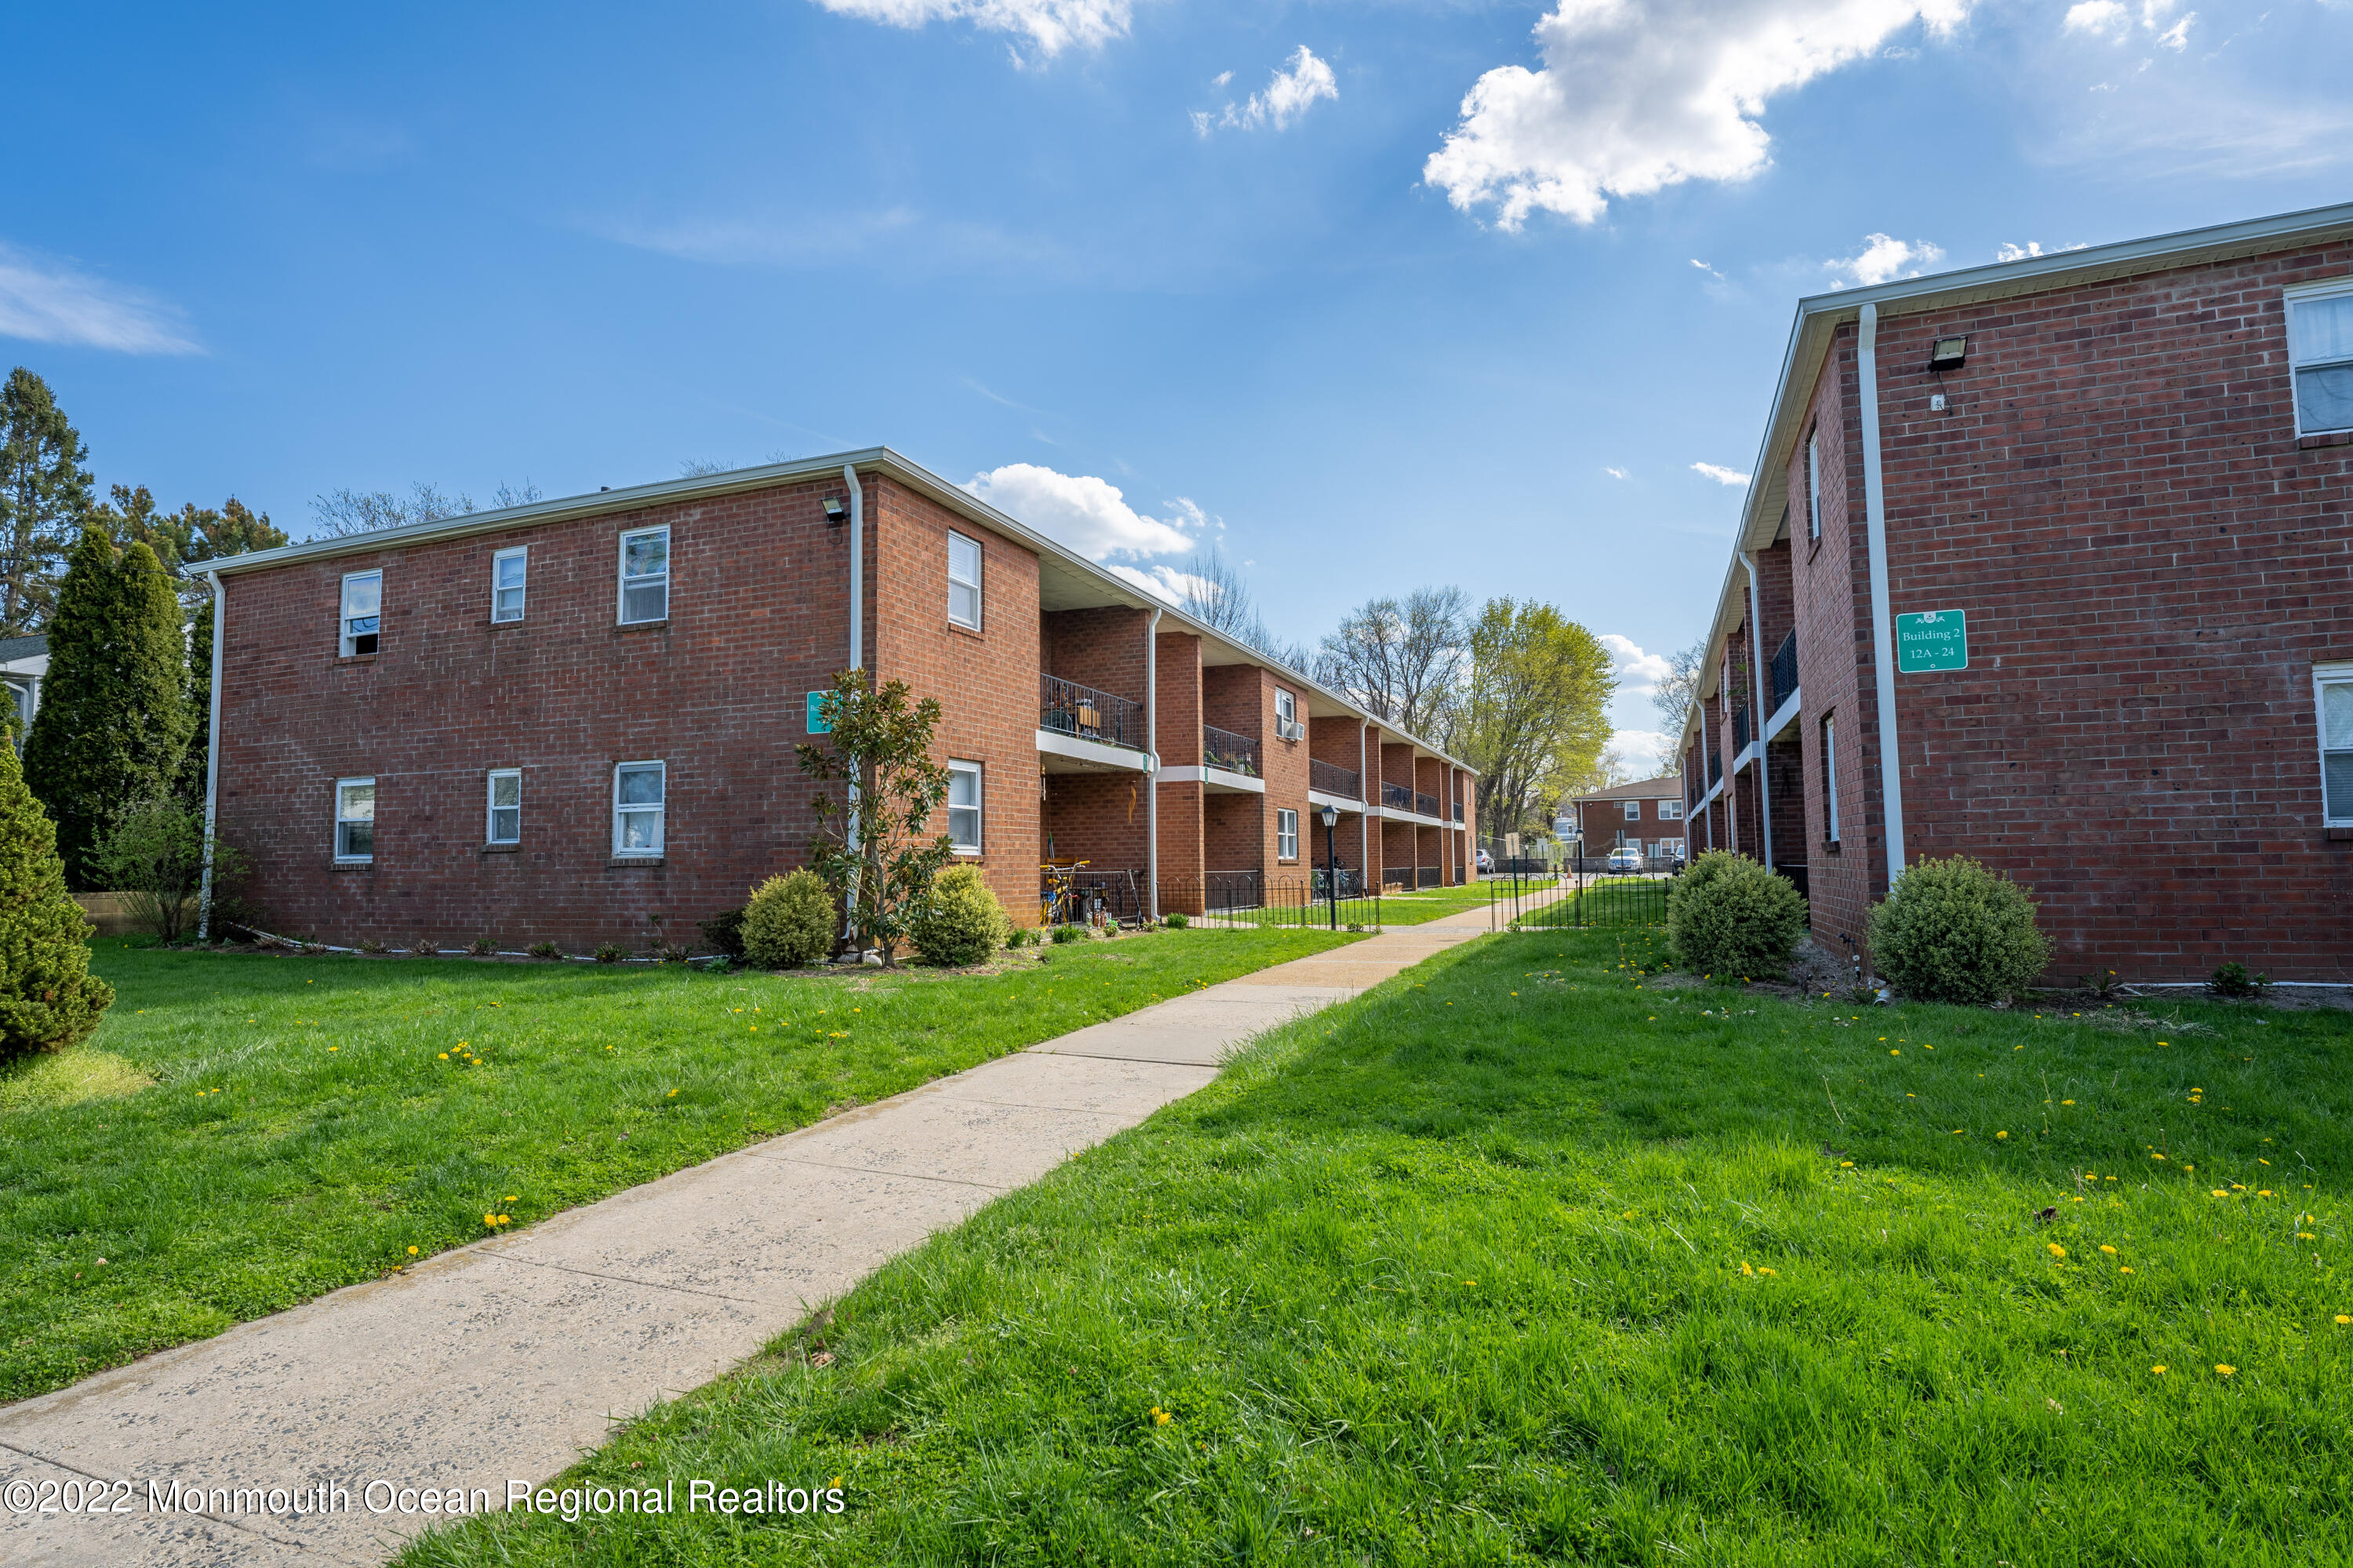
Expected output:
{"points": [[343, 512], [1216, 595], [1673, 699], [1401, 660]]}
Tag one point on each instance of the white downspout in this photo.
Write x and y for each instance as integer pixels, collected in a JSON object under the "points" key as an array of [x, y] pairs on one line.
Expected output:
{"points": [[1152, 763], [1757, 705], [1364, 816], [856, 652], [1883, 623], [212, 764]]}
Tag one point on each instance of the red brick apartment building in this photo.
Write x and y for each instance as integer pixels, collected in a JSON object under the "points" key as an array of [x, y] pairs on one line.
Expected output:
{"points": [[1647, 815], [564, 721], [2048, 563]]}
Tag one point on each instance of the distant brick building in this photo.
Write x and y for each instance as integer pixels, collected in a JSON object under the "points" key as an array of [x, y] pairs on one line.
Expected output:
{"points": [[568, 720], [2048, 563], [1647, 814]]}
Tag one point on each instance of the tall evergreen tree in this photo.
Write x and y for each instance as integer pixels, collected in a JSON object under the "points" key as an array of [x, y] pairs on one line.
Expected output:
{"points": [[114, 720], [48, 998], [44, 490]]}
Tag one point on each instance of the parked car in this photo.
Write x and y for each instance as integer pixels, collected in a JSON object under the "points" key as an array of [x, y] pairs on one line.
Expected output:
{"points": [[1623, 860], [1486, 862]]}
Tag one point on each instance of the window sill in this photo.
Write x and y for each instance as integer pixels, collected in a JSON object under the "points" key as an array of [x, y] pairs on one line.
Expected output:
{"points": [[967, 630], [622, 626], [967, 854], [2340, 835], [351, 866], [502, 849], [622, 860], [2328, 438], [503, 625], [356, 658]]}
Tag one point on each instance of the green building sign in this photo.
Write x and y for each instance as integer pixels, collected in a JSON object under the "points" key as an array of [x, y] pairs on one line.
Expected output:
{"points": [[818, 723], [1932, 640]]}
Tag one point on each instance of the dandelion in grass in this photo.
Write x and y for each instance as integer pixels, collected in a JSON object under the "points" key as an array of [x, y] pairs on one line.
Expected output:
{"points": [[2106, 1248], [2224, 1369], [2057, 1251], [412, 1252], [2002, 1135], [2126, 1269], [2158, 1369], [2342, 1320]]}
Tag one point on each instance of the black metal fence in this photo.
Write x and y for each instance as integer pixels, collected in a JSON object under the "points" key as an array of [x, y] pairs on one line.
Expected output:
{"points": [[1247, 899], [1224, 748], [1785, 671], [1085, 714], [1396, 795], [1576, 901], [1334, 780]]}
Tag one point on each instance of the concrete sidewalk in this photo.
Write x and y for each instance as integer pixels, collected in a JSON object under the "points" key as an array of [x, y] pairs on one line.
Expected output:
{"points": [[509, 1358]]}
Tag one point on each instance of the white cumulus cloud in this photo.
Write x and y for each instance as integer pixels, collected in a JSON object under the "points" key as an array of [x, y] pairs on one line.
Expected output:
{"points": [[1721, 475], [1639, 671], [1287, 95], [1090, 515], [1051, 26], [1644, 751], [47, 301], [1637, 95], [1167, 583], [2114, 20], [1883, 257]]}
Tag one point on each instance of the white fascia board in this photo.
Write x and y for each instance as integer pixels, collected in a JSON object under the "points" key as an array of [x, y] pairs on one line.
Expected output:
{"points": [[1217, 777], [1061, 744], [1786, 715], [1320, 798]]}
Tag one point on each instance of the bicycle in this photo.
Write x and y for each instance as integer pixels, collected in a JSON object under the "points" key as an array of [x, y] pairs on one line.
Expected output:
{"points": [[1059, 900]]}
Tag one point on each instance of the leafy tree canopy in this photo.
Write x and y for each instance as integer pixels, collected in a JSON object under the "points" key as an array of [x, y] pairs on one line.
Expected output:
{"points": [[44, 488]]}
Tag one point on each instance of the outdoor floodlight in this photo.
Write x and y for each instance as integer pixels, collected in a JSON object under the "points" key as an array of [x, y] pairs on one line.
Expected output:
{"points": [[836, 512], [1950, 352]]}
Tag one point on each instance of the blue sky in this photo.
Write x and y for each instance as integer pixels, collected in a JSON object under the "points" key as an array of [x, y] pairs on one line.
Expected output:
{"points": [[1372, 293]]}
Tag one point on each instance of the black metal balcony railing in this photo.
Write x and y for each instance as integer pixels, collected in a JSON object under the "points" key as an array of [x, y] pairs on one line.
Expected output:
{"points": [[1426, 804], [1785, 671], [1739, 730], [1715, 764], [1396, 796], [1334, 780], [1084, 714], [1224, 748], [1458, 811]]}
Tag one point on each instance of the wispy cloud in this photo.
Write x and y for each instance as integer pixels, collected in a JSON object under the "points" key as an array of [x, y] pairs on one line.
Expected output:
{"points": [[45, 300], [1706, 269], [1286, 96], [1720, 474], [1617, 474], [1883, 257], [1050, 26]]}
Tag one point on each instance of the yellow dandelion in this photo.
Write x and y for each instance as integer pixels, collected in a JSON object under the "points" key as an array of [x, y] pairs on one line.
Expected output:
{"points": [[2306, 1235], [2066, 1102], [2126, 1269], [1846, 1164], [2057, 1251], [412, 1252], [2002, 1135], [444, 1057], [2106, 1248], [1761, 1269], [2225, 1369], [2158, 1369], [2341, 1318]]}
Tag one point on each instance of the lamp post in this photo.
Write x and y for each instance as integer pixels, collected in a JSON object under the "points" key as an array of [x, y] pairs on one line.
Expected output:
{"points": [[1331, 866]]}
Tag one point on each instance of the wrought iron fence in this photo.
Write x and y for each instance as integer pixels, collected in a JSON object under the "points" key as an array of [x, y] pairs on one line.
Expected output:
{"points": [[1397, 796], [1739, 730], [1576, 902], [1249, 901], [1426, 804], [1785, 671], [1084, 714], [1714, 766], [1458, 811], [1224, 748], [1334, 780]]}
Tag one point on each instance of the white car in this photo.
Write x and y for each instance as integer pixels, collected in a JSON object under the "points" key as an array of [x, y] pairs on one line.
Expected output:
{"points": [[1623, 860]]}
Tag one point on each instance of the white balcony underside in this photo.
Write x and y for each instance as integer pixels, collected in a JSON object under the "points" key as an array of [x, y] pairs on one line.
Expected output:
{"points": [[1062, 753], [1214, 781]]}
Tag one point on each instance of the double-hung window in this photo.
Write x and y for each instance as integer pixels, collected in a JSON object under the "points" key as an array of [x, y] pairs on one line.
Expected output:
{"points": [[508, 569], [964, 807], [1286, 714], [1671, 811], [2333, 688], [1286, 833], [2320, 358], [505, 825], [354, 820], [363, 611], [1633, 809], [639, 791], [964, 580], [645, 576], [1814, 484], [1830, 778]]}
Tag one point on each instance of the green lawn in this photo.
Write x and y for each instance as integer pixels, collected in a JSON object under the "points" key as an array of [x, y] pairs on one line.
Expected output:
{"points": [[1528, 1258], [315, 1121], [1391, 909]]}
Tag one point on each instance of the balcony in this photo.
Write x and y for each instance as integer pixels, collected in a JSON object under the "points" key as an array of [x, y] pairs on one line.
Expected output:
{"points": [[1714, 766], [1234, 753], [1785, 672], [1458, 811], [1739, 730], [1426, 804], [1396, 797], [1065, 707], [1330, 778]]}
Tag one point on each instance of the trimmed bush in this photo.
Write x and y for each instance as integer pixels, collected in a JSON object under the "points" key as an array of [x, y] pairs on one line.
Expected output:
{"points": [[48, 999], [1176, 921], [1952, 931], [1728, 916], [962, 922], [724, 931], [789, 921]]}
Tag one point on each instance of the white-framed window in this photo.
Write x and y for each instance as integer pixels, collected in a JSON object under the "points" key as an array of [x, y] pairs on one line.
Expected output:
{"points": [[2320, 357], [1286, 712], [1830, 778], [1671, 811], [1286, 833], [1633, 809], [354, 820], [1814, 483], [964, 580], [964, 807], [2333, 689], [645, 576], [362, 615], [508, 569], [505, 825], [640, 791]]}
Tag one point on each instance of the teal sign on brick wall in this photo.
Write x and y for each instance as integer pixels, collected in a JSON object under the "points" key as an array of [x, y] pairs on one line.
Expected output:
{"points": [[1932, 640], [818, 723]]}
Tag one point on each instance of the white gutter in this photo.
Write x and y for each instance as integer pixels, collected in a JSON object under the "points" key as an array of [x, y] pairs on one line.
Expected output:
{"points": [[1883, 623], [1152, 764], [1757, 705], [212, 762]]}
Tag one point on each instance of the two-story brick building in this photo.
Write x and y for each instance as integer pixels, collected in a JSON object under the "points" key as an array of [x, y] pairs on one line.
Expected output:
{"points": [[2048, 563], [573, 720], [1645, 815]]}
